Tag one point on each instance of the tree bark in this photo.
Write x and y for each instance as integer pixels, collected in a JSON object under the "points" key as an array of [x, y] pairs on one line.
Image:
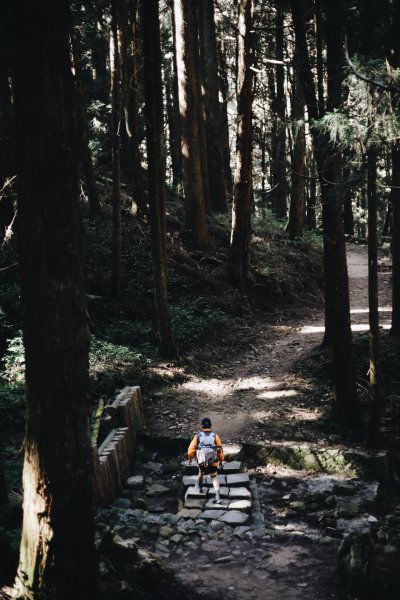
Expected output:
{"points": [[279, 194], [337, 308], [116, 273], [176, 137], [83, 131], [375, 400], [241, 208], [297, 212], [213, 115], [189, 111], [226, 148], [57, 558], [156, 169], [3, 483], [395, 201]]}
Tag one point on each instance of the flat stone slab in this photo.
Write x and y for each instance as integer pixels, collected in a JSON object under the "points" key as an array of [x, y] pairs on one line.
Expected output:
{"points": [[212, 506], [234, 517], [232, 467], [136, 482], [243, 505], [189, 513], [195, 502], [211, 515], [239, 492], [157, 490], [191, 492], [238, 480], [189, 480], [224, 492], [221, 478]]}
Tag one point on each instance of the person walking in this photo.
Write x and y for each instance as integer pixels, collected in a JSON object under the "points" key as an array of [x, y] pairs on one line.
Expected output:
{"points": [[206, 447]]}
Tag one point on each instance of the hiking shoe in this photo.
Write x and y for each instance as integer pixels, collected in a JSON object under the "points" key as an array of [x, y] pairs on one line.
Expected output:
{"points": [[217, 501]]}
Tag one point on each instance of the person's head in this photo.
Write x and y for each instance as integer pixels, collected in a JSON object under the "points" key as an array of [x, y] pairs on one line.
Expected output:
{"points": [[206, 423]]}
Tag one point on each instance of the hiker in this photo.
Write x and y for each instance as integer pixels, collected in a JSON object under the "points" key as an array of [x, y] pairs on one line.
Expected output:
{"points": [[207, 449]]}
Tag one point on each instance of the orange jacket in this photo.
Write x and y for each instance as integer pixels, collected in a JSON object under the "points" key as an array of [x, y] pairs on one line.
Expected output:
{"points": [[193, 447]]}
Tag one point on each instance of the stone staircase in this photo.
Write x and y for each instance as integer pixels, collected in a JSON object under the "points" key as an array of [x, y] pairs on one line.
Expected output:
{"points": [[236, 496]]}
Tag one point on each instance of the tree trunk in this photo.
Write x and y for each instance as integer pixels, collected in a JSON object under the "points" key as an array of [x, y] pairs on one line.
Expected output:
{"points": [[83, 131], [241, 208], [156, 170], [189, 111], [212, 108], [312, 196], [177, 132], [3, 483], [395, 200], [337, 309], [374, 358], [116, 273], [131, 114], [226, 148], [348, 191], [297, 212], [320, 55], [198, 74], [57, 558], [279, 166]]}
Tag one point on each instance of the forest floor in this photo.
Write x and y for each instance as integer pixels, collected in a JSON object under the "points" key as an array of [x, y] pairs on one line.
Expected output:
{"points": [[276, 390]]}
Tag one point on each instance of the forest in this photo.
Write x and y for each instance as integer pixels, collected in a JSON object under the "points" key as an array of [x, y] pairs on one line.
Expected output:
{"points": [[199, 217]]}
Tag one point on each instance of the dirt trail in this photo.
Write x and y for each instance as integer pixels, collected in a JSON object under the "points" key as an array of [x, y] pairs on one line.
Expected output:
{"points": [[259, 394], [256, 394]]}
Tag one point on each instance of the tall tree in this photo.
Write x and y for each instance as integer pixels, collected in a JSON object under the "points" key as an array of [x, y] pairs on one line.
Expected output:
{"points": [[57, 558], [3, 484], [213, 114], [116, 273], [297, 211], [375, 399], [241, 207], [279, 159], [189, 106], [83, 129], [156, 169], [337, 307]]}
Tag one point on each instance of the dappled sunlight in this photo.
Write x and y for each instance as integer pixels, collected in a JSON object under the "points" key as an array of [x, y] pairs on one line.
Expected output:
{"points": [[272, 395], [359, 311], [308, 329], [225, 387]]}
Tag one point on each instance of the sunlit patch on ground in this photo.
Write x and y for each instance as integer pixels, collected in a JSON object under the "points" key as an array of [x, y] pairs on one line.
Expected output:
{"points": [[308, 329]]}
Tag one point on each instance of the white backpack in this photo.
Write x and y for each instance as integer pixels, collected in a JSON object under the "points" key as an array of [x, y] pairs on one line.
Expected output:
{"points": [[206, 449]]}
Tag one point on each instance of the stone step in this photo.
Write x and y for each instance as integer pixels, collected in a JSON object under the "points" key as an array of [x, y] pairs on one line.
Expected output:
{"points": [[227, 504], [231, 517], [239, 493], [230, 467], [235, 480]]}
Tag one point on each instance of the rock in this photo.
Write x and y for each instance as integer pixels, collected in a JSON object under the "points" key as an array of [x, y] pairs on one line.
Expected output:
{"points": [[192, 545], [389, 549], [345, 489], [166, 531], [297, 505], [189, 513], [216, 525], [240, 531], [156, 490], [234, 517], [122, 503], [140, 503], [136, 482], [224, 559], [232, 467], [195, 502], [176, 538], [210, 515], [153, 467], [237, 480], [346, 508], [209, 547], [244, 505], [240, 492]]}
